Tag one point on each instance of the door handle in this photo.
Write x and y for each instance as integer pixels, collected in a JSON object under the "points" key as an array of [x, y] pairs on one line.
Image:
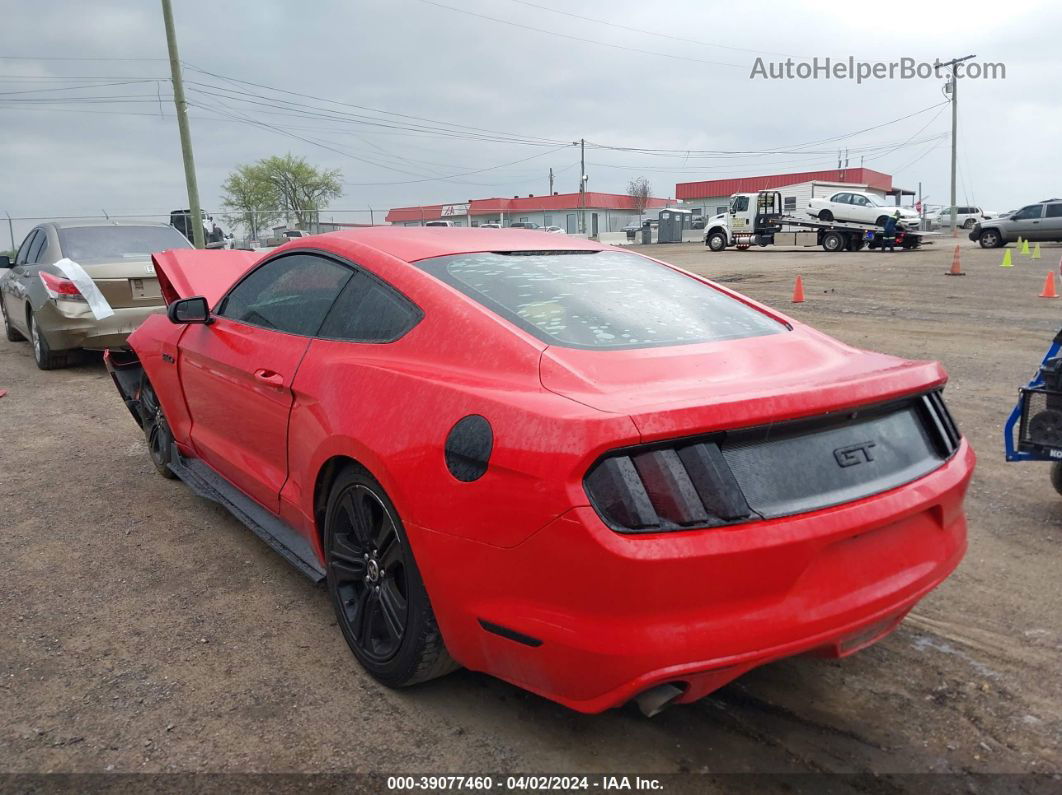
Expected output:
{"points": [[269, 377]]}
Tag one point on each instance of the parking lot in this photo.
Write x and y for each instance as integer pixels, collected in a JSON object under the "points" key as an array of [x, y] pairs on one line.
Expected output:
{"points": [[146, 629]]}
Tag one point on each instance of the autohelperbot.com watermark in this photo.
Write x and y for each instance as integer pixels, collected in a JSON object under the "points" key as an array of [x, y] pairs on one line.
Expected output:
{"points": [[852, 69]]}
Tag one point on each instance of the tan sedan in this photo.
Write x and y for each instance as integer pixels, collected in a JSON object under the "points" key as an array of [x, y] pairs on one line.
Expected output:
{"points": [[83, 285]]}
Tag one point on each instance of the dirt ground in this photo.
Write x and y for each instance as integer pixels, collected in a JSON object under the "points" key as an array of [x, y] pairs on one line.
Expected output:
{"points": [[144, 629]]}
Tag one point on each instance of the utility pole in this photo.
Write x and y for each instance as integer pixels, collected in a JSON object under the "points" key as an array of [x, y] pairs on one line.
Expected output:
{"points": [[11, 231], [551, 182], [954, 126], [582, 184], [196, 221]]}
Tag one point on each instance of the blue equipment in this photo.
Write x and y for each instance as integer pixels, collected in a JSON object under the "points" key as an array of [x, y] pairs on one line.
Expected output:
{"points": [[1033, 431]]}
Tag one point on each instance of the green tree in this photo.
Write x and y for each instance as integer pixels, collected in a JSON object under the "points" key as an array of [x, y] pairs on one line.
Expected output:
{"points": [[279, 187], [250, 199]]}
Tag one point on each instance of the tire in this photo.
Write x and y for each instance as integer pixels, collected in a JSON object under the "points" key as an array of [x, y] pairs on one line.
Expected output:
{"points": [[968, 223], [881, 220], [381, 605], [833, 241], [990, 238], [9, 330], [156, 431], [1056, 476], [716, 241], [45, 357], [825, 216]]}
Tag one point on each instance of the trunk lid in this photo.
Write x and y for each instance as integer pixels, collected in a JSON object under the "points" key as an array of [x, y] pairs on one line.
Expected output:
{"points": [[692, 389], [183, 273], [126, 283]]}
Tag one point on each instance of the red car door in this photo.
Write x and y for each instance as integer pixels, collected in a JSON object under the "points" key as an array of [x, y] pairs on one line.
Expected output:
{"points": [[237, 372]]}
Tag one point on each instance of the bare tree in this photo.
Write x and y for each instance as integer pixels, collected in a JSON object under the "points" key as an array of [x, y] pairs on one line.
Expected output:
{"points": [[641, 191]]}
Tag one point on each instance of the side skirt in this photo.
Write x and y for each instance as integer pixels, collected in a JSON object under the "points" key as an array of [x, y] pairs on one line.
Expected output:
{"points": [[279, 535]]}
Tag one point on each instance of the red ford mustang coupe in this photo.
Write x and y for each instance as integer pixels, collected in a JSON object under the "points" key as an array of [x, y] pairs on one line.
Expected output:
{"points": [[586, 472]]}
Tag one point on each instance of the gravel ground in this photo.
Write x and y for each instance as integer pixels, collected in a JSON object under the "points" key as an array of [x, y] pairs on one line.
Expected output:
{"points": [[144, 629]]}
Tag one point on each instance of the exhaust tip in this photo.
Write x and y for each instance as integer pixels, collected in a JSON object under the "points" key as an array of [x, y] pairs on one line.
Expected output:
{"points": [[656, 699]]}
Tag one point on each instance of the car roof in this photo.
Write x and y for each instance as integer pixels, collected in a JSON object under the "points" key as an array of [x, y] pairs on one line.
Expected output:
{"points": [[417, 243], [83, 223]]}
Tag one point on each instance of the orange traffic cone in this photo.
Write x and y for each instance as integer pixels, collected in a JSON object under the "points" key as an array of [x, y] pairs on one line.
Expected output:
{"points": [[1049, 286], [956, 268], [798, 291]]}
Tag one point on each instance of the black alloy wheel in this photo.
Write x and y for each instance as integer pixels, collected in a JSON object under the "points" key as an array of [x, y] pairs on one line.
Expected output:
{"points": [[366, 558], [157, 431], [380, 601]]}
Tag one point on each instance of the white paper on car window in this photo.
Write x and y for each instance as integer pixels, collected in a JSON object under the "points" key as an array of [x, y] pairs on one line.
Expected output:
{"points": [[75, 273]]}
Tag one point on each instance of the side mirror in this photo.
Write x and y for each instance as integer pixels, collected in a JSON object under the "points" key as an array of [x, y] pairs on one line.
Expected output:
{"points": [[5, 261], [189, 310]]}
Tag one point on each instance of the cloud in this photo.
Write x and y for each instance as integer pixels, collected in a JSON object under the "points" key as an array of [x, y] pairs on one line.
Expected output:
{"points": [[414, 58]]}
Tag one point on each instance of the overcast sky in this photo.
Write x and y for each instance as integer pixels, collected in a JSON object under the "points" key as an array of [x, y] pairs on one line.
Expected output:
{"points": [[428, 81]]}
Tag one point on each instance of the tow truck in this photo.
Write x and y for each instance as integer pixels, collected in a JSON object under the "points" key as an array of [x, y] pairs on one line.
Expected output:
{"points": [[757, 219]]}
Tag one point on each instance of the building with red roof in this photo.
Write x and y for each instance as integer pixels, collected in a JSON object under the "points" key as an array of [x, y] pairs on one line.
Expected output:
{"points": [[709, 197], [605, 212]]}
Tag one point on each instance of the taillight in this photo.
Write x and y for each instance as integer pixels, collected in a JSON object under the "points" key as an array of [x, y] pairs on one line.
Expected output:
{"points": [[60, 289], [666, 488]]}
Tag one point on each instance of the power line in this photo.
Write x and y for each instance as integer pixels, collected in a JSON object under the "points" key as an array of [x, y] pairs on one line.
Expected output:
{"points": [[71, 58], [794, 149], [580, 38], [598, 21], [367, 108]]}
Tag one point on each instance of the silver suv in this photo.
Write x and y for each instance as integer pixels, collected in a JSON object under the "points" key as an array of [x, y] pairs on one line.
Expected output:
{"points": [[1034, 222]]}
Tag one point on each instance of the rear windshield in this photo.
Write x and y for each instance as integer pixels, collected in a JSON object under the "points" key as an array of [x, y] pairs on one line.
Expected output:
{"points": [[99, 243], [599, 299]]}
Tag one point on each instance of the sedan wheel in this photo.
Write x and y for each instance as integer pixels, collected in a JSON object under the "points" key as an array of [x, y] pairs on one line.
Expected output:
{"points": [[45, 358], [9, 330], [379, 598], [825, 216]]}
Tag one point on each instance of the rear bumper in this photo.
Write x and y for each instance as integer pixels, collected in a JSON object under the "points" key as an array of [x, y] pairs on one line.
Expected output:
{"points": [[614, 615], [65, 333]]}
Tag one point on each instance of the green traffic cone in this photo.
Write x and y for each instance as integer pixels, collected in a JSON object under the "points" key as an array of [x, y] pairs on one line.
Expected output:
{"points": [[1006, 263]]}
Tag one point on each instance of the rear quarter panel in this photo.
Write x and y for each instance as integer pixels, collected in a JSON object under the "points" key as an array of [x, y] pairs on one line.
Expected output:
{"points": [[391, 406]]}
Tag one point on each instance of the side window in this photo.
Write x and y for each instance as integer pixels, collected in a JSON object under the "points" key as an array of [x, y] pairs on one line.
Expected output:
{"points": [[24, 249], [860, 201], [38, 244], [1054, 211], [291, 294], [1027, 213], [741, 204], [842, 198], [369, 311]]}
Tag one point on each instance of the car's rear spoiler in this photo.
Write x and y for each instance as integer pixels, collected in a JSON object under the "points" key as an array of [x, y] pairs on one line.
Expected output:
{"points": [[185, 272]]}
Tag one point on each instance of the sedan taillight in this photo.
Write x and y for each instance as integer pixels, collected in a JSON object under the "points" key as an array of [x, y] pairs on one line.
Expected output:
{"points": [[60, 289]]}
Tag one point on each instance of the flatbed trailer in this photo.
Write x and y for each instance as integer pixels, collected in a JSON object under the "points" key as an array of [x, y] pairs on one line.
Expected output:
{"points": [[758, 221]]}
